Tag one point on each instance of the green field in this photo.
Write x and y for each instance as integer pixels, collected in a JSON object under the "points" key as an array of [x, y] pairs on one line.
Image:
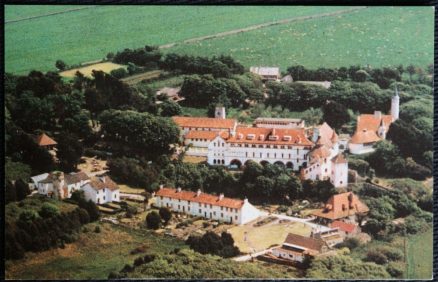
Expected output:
{"points": [[90, 34], [420, 256], [376, 36]]}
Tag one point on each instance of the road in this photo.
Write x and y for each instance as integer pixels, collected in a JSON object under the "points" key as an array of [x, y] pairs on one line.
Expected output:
{"points": [[250, 256]]}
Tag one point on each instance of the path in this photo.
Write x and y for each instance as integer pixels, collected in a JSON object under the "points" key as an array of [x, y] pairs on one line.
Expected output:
{"points": [[297, 219], [49, 14], [250, 256], [259, 26]]}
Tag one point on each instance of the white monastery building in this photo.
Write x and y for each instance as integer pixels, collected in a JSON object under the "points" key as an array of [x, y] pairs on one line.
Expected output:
{"points": [[278, 141], [60, 186], [372, 128], [206, 205]]}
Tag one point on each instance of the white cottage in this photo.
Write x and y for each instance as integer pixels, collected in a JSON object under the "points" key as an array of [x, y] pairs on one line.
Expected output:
{"points": [[101, 190], [59, 185], [206, 205]]}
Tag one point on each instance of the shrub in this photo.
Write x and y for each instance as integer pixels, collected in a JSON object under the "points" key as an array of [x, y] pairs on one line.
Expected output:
{"points": [[350, 243], [28, 216], [97, 229], [377, 257], [165, 214], [392, 254], [138, 261], [127, 268], [48, 210], [138, 250], [153, 220], [396, 270]]}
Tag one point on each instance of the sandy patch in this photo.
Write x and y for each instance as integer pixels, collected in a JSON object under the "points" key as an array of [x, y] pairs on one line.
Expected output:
{"points": [[86, 71]]}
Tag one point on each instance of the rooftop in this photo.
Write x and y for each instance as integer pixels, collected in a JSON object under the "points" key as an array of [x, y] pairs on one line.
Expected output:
{"points": [[341, 206], [343, 226], [272, 136], [305, 242], [265, 70], [45, 140], [202, 198], [204, 122]]}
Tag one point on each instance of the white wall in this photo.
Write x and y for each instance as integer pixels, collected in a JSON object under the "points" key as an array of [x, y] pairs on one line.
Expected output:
{"points": [[339, 176], [357, 149]]}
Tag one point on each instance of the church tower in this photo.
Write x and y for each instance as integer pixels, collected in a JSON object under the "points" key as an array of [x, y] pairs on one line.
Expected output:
{"points": [[395, 105], [219, 112]]}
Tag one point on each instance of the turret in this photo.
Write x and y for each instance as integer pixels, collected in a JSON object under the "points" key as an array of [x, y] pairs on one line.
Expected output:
{"points": [[395, 105], [219, 112]]}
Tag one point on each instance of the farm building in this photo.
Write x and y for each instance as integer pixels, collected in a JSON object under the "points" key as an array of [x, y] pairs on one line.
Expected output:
{"points": [[344, 207], [331, 237], [372, 128], [101, 190], [206, 205], [297, 248], [267, 73], [59, 185]]}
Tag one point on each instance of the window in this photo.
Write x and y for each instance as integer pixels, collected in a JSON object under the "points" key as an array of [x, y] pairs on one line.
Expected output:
{"points": [[179, 207], [200, 211], [275, 147], [268, 155], [189, 202], [214, 213], [226, 209], [222, 208], [246, 145], [222, 215], [235, 217], [211, 206], [253, 146], [260, 146], [161, 197]]}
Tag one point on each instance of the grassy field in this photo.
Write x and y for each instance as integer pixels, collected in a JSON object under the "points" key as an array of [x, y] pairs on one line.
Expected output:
{"points": [[87, 71], [420, 256], [93, 256], [89, 34], [260, 238], [378, 36]]}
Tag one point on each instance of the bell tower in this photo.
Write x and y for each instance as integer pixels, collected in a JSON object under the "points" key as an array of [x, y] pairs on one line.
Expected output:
{"points": [[395, 105], [219, 112]]}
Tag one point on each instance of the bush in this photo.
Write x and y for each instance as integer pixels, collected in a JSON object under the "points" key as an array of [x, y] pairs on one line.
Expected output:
{"points": [[138, 261], [153, 220], [119, 73], [165, 214], [28, 216], [350, 243], [48, 210], [97, 229], [392, 254], [396, 270], [377, 257]]}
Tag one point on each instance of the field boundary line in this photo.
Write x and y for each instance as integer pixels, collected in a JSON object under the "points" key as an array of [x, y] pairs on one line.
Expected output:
{"points": [[49, 14], [259, 26]]}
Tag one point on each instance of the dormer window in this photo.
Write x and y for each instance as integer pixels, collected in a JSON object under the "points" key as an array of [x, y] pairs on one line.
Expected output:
{"points": [[250, 136], [287, 138], [273, 137], [261, 137]]}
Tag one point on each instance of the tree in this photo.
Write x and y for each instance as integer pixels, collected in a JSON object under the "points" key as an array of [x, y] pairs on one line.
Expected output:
{"points": [[22, 189], [16, 170], [70, 151], [153, 220], [411, 71], [361, 76], [165, 214], [60, 65], [92, 209], [48, 210], [335, 114], [169, 109], [119, 73], [10, 192], [27, 216]]}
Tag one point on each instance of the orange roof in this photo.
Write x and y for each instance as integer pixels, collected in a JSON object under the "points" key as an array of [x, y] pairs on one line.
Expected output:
{"points": [[44, 140], [320, 151], [327, 135], [204, 122], [202, 198], [200, 134], [343, 226], [339, 159], [272, 136], [371, 122], [305, 242], [364, 136], [342, 205]]}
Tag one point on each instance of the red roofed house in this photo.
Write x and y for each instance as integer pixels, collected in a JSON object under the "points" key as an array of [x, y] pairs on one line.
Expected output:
{"points": [[297, 248], [372, 128], [45, 141], [206, 205], [346, 229], [344, 207]]}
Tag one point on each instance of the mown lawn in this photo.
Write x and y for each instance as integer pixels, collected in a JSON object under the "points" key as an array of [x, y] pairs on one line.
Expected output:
{"points": [[378, 36], [92, 256], [89, 34], [420, 256]]}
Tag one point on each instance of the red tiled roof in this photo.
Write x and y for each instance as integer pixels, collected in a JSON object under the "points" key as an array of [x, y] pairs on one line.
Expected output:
{"points": [[204, 122], [260, 135], [342, 205], [44, 140], [371, 122], [327, 135], [364, 136], [320, 151], [343, 226], [202, 198], [200, 134], [305, 242]]}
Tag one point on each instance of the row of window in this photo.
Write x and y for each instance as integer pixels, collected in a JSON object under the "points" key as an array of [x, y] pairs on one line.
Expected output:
{"points": [[268, 155], [218, 161], [200, 211], [199, 139], [266, 146], [205, 205]]}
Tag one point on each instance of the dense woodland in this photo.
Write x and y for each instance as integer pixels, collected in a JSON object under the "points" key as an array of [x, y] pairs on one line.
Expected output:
{"points": [[102, 116]]}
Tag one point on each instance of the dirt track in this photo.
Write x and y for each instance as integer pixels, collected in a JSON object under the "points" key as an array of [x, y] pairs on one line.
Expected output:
{"points": [[50, 14], [259, 26]]}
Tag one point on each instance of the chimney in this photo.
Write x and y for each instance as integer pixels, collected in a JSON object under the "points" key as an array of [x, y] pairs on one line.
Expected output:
{"points": [[221, 196], [378, 114], [198, 193], [178, 189]]}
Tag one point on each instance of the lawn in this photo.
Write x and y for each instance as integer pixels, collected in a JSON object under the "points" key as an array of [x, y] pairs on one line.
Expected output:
{"points": [[87, 71], [89, 34], [93, 256], [420, 256], [378, 36], [263, 237]]}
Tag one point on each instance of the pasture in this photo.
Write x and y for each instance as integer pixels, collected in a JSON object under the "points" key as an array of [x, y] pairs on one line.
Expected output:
{"points": [[87, 70], [89, 34], [378, 36], [420, 256]]}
